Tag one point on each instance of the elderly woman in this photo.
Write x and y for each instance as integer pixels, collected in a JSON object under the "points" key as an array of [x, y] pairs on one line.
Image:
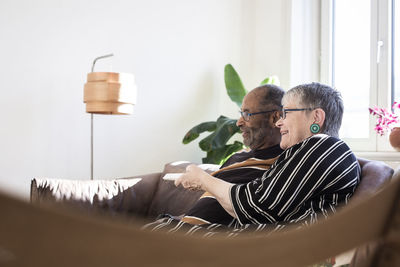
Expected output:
{"points": [[316, 172]]}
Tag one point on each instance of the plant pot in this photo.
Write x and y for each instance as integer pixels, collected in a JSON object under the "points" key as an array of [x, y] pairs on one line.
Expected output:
{"points": [[394, 138]]}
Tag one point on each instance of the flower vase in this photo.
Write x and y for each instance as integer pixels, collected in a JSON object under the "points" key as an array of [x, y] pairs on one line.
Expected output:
{"points": [[394, 138]]}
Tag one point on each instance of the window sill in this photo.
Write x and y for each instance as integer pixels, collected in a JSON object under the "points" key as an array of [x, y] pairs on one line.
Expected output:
{"points": [[391, 158], [384, 156]]}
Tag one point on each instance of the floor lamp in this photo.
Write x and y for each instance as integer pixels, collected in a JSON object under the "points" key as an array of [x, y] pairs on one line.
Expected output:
{"points": [[108, 93]]}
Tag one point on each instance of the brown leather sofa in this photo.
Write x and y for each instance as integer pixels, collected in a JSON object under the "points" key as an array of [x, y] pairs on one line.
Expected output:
{"points": [[148, 195], [43, 234]]}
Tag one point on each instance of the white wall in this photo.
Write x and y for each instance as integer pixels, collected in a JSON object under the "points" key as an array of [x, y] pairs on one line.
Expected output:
{"points": [[176, 49], [304, 42], [265, 34]]}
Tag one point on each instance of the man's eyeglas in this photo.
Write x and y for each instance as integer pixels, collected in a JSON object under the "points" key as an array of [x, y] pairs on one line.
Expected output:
{"points": [[286, 110], [246, 115]]}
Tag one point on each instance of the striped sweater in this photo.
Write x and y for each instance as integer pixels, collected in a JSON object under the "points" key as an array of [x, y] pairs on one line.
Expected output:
{"points": [[309, 179]]}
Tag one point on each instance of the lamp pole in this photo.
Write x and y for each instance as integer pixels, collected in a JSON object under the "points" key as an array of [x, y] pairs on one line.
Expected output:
{"points": [[91, 122]]}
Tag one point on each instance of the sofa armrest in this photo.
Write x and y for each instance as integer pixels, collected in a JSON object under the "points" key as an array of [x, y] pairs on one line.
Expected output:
{"points": [[374, 175], [131, 195], [180, 166]]}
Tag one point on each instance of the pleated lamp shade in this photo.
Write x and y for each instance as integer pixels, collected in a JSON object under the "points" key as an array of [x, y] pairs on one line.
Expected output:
{"points": [[110, 93]]}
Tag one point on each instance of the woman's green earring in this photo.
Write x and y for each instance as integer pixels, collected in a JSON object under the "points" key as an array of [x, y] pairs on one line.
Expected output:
{"points": [[314, 128]]}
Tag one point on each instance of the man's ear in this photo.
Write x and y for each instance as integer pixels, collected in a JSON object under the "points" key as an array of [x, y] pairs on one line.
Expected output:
{"points": [[275, 117], [319, 116]]}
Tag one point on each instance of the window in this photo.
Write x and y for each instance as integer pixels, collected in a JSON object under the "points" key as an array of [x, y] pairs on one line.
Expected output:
{"points": [[358, 58], [395, 55], [351, 63]]}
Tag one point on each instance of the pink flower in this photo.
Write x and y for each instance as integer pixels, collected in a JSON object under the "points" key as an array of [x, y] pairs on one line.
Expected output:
{"points": [[385, 120]]}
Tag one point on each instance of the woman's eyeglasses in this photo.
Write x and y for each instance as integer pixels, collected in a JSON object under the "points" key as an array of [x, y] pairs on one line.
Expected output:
{"points": [[286, 110]]}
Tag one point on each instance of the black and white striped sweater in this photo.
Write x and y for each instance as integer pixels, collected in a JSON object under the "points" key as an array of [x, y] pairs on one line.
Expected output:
{"points": [[308, 179]]}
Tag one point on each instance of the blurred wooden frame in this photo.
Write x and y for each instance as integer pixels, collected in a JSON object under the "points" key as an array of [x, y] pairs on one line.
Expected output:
{"points": [[48, 236]]}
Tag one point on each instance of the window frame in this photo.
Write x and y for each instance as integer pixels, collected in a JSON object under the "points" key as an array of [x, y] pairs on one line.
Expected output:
{"points": [[380, 80]]}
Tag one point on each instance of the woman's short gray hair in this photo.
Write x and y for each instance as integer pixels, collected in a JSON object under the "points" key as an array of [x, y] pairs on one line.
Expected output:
{"points": [[317, 95]]}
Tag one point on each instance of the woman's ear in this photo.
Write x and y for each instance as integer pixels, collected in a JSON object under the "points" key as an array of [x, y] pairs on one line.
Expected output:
{"points": [[319, 116]]}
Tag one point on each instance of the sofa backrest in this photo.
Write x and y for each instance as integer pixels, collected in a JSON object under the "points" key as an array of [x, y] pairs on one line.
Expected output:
{"points": [[152, 196], [144, 196], [124, 196]]}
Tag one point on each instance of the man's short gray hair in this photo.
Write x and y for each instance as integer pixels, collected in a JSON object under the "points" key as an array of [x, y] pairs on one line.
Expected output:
{"points": [[317, 95]]}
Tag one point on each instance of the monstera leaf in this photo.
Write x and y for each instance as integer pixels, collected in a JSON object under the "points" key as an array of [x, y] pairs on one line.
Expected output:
{"points": [[271, 80], [193, 133], [215, 143], [234, 85], [226, 128]]}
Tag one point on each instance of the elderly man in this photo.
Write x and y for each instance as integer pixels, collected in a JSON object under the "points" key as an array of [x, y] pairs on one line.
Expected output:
{"points": [[260, 111]]}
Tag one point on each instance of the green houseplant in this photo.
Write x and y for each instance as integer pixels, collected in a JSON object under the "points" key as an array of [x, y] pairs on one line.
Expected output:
{"points": [[221, 130]]}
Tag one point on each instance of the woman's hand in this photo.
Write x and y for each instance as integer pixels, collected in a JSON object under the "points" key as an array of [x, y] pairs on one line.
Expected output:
{"points": [[192, 179], [196, 179]]}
